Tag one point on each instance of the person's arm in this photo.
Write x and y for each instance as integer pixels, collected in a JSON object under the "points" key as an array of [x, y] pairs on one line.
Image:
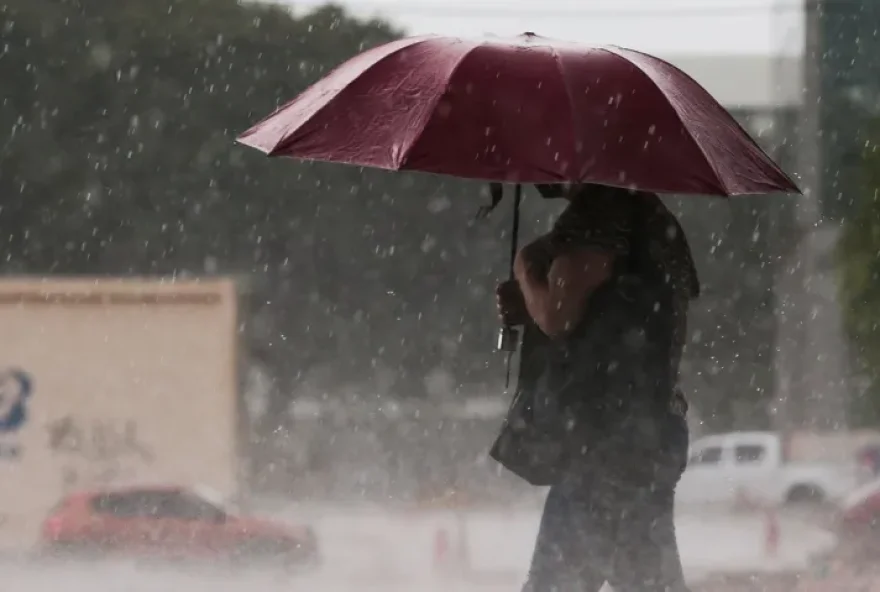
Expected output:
{"points": [[556, 301], [556, 283]]}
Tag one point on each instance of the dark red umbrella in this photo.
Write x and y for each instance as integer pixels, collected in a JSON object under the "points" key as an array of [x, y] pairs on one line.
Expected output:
{"points": [[524, 110]]}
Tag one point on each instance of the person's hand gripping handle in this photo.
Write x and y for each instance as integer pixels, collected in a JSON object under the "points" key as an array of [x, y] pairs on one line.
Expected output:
{"points": [[512, 313], [509, 298]]}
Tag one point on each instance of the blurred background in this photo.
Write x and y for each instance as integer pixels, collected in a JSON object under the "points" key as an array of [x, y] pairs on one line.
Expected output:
{"points": [[300, 332]]}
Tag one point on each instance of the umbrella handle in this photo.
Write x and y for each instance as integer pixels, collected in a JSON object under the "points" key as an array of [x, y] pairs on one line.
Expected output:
{"points": [[508, 337]]}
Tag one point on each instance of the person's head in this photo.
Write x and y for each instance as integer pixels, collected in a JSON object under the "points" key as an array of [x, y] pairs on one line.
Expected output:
{"points": [[573, 191]]}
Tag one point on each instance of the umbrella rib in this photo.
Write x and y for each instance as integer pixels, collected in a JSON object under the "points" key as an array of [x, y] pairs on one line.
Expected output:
{"points": [[613, 51], [733, 120], [404, 154], [282, 145], [574, 113]]}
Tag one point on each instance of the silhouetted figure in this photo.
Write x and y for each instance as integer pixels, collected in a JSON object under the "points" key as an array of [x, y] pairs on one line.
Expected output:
{"points": [[604, 299]]}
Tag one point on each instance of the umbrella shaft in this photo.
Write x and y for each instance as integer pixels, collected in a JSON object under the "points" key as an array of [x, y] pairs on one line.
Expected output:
{"points": [[514, 234], [508, 337]]}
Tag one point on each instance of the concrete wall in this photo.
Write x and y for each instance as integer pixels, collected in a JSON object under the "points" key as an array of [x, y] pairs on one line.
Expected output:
{"points": [[120, 382]]}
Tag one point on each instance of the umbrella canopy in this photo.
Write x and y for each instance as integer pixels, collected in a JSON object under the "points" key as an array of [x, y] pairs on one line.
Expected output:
{"points": [[523, 110]]}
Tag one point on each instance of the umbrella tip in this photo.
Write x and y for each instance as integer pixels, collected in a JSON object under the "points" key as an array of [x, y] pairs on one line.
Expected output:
{"points": [[529, 34]]}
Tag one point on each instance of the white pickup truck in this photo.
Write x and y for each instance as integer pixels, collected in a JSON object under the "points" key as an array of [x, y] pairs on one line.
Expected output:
{"points": [[754, 466]]}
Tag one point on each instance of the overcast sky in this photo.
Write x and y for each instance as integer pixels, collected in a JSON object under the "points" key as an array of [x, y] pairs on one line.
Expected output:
{"points": [[659, 26]]}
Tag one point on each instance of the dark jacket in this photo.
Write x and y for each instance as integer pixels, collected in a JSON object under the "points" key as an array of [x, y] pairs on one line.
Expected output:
{"points": [[607, 391]]}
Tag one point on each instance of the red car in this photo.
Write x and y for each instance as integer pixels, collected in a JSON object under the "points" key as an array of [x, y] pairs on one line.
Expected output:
{"points": [[168, 523], [859, 513]]}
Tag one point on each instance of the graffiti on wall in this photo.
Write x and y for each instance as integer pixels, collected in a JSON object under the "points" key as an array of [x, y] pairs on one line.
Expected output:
{"points": [[97, 451], [16, 387]]}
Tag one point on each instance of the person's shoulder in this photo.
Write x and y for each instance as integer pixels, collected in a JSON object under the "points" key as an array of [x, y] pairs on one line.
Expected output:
{"points": [[614, 207], [601, 220]]}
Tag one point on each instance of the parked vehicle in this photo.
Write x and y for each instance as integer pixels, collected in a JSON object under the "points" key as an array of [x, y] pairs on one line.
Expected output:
{"points": [[754, 466], [168, 523], [861, 508]]}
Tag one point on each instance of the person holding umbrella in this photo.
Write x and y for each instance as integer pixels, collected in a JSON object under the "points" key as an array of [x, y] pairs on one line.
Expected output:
{"points": [[603, 297], [610, 516]]}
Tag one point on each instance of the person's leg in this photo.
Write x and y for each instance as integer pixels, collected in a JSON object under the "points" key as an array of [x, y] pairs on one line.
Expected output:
{"points": [[563, 560], [646, 557]]}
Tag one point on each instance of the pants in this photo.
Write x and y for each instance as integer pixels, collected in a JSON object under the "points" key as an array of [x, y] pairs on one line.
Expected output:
{"points": [[598, 528]]}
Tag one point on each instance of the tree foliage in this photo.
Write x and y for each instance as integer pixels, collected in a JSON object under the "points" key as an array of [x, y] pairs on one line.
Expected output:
{"points": [[118, 157]]}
